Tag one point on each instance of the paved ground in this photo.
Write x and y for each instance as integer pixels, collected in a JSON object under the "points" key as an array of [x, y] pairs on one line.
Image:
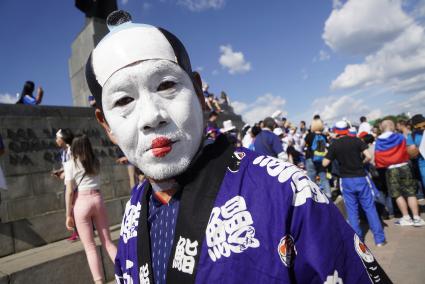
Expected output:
{"points": [[403, 258]]}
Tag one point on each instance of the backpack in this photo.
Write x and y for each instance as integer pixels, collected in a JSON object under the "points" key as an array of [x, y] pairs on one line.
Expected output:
{"points": [[318, 147]]}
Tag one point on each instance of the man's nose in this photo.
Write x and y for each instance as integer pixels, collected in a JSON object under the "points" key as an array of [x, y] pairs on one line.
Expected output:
{"points": [[152, 114]]}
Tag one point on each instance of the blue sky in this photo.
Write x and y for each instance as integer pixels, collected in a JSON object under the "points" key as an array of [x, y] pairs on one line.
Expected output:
{"points": [[336, 58]]}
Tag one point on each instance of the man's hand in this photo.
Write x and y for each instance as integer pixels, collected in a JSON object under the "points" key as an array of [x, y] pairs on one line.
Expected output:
{"points": [[69, 223], [326, 162], [413, 151], [122, 161]]}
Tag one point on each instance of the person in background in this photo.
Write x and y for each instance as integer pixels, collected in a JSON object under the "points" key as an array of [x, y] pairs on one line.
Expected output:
{"points": [[391, 153], [355, 184], [27, 97], [268, 143], [414, 140], [403, 127], [364, 126], [211, 133], [212, 120], [64, 139], [302, 129], [255, 130], [315, 143], [83, 185], [378, 178], [229, 130]]}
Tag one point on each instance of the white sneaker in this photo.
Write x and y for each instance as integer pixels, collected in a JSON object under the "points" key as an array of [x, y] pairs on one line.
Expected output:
{"points": [[404, 222], [418, 222]]}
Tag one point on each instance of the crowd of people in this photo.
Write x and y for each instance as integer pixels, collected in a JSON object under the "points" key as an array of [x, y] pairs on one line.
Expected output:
{"points": [[373, 167]]}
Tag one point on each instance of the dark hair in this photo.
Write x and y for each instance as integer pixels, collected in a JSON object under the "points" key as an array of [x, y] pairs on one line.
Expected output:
{"points": [[213, 113], [402, 122], [28, 89], [363, 119], [82, 150], [269, 123], [302, 121], [317, 116], [255, 130], [67, 135], [368, 139]]}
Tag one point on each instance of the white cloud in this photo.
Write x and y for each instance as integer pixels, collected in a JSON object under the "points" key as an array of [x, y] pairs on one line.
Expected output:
{"points": [[394, 45], [8, 99], [323, 55], [233, 61], [334, 108], [336, 4], [414, 104], [363, 26], [259, 109], [201, 5]]}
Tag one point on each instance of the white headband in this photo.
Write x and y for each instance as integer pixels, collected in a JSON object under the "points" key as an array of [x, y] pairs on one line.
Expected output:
{"points": [[126, 44]]}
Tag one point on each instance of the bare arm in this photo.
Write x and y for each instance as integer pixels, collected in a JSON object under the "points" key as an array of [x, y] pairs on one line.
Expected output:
{"points": [[367, 155], [68, 198], [326, 162], [39, 97], [413, 151]]}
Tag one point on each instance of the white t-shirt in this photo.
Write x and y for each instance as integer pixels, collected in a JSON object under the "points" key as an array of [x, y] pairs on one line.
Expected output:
{"points": [[74, 171], [365, 127]]}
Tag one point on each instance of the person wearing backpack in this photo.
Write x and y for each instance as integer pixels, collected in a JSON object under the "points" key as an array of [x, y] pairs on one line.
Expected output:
{"points": [[315, 143]]}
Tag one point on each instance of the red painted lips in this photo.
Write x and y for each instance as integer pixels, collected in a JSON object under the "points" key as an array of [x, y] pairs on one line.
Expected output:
{"points": [[161, 146]]}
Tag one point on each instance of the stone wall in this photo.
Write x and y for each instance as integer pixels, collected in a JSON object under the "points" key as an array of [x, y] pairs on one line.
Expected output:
{"points": [[32, 209]]}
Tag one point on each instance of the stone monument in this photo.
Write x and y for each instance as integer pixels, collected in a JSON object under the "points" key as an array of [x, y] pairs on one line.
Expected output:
{"points": [[94, 30]]}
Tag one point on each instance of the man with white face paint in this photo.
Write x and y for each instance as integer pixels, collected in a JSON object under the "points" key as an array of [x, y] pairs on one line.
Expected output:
{"points": [[207, 213]]}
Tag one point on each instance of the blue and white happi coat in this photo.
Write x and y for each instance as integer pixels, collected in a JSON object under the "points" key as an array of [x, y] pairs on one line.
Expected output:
{"points": [[245, 218]]}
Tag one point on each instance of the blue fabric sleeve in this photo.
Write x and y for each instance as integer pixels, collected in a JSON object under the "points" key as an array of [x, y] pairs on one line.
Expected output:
{"points": [[325, 246], [277, 145], [28, 100], [410, 140]]}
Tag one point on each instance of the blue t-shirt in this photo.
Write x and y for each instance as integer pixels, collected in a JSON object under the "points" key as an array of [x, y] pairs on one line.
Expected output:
{"points": [[268, 143], [417, 141], [28, 100]]}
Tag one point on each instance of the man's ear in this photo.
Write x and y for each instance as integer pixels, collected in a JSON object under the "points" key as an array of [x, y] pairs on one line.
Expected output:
{"points": [[197, 83], [102, 121]]}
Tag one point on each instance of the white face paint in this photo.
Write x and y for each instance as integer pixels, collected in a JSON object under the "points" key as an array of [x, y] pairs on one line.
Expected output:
{"points": [[153, 110]]}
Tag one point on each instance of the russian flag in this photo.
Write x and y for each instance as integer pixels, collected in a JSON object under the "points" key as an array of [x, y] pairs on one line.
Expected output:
{"points": [[390, 150]]}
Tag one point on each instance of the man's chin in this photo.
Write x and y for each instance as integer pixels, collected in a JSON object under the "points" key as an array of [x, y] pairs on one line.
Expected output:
{"points": [[161, 170]]}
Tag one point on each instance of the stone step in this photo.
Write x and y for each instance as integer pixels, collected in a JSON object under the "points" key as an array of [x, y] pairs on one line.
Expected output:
{"points": [[59, 262], [25, 234]]}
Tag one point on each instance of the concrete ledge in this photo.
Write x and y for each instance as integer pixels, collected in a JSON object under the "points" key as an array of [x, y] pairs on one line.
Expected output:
{"points": [[25, 234], [60, 262]]}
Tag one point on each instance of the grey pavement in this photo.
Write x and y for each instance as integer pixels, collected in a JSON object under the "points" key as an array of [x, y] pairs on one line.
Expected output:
{"points": [[403, 258]]}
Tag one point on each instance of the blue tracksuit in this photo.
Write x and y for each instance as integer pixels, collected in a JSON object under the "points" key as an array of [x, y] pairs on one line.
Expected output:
{"points": [[357, 190]]}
